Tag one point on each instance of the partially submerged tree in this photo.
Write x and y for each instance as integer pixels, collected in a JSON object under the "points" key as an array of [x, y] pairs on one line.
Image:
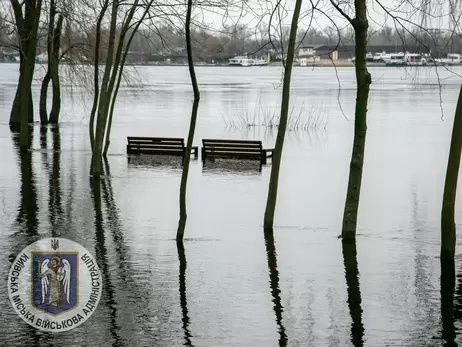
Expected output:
{"points": [[276, 161], [448, 225], [192, 127], [363, 81], [53, 51], [113, 67], [27, 17]]}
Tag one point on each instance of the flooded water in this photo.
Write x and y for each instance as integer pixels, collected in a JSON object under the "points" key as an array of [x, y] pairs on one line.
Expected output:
{"points": [[232, 285]]}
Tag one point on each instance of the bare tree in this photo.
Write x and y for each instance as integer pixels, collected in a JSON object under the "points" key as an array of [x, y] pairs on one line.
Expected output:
{"points": [[276, 161], [363, 81], [113, 67], [192, 127], [52, 74]]}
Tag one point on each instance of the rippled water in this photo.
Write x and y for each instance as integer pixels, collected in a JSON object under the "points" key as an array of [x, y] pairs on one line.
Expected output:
{"points": [[231, 285]]}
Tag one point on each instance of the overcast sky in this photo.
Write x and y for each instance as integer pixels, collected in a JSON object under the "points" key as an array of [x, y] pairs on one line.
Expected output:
{"points": [[251, 13]]}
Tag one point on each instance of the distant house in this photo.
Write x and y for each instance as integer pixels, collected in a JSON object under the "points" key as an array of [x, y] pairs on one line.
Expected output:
{"points": [[347, 51], [306, 52]]}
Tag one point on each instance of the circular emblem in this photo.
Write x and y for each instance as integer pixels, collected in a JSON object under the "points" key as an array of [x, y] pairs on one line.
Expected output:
{"points": [[54, 284]]}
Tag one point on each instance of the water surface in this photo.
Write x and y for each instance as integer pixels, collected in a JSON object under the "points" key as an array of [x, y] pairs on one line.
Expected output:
{"points": [[231, 285]]}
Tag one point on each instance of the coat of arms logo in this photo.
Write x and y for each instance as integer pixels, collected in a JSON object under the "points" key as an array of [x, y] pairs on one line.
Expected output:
{"points": [[62, 288]]}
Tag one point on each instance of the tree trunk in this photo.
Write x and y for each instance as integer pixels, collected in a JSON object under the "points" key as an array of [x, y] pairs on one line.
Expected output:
{"points": [[101, 118], [27, 27], [119, 77], [25, 100], [54, 70], [448, 226], [46, 80], [43, 98], [277, 155], [363, 81], [192, 128], [96, 76]]}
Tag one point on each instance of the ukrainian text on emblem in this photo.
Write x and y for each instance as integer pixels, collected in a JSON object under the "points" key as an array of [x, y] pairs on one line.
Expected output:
{"points": [[54, 284]]}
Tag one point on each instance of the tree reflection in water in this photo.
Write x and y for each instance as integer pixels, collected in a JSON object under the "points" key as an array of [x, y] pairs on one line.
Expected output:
{"points": [[274, 284], [183, 300], [354, 292]]}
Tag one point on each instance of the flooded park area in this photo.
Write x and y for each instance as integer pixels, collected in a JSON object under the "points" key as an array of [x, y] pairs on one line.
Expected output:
{"points": [[232, 284]]}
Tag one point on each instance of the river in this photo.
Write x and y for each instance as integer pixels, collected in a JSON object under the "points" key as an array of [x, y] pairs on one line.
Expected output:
{"points": [[238, 288]]}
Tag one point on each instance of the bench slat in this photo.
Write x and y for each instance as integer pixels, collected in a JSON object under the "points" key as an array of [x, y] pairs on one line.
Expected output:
{"points": [[232, 147], [140, 138], [231, 141], [243, 150], [155, 145]]}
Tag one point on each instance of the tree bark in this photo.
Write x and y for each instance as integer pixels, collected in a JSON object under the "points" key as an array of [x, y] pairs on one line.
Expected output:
{"points": [[27, 27], [363, 81], [54, 71], [448, 225], [46, 80], [43, 98], [277, 155], [101, 118], [192, 128]]}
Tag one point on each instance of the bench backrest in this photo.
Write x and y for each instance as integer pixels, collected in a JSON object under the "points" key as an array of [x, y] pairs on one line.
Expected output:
{"points": [[155, 142], [232, 146]]}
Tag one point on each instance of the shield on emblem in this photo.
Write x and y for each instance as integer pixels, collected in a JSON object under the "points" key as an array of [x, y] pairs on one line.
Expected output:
{"points": [[54, 281]]}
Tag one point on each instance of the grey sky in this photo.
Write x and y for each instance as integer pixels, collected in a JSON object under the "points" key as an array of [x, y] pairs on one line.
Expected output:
{"points": [[438, 13]]}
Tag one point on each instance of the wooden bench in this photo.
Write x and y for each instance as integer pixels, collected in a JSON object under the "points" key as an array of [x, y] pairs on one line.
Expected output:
{"points": [[158, 145], [235, 149]]}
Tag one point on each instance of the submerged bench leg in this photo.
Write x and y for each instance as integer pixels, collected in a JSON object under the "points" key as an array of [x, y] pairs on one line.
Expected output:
{"points": [[263, 157]]}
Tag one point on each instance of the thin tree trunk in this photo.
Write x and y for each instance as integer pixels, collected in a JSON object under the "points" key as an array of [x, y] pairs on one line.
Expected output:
{"points": [[43, 98], [119, 78], [277, 155], [103, 103], [448, 225], [96, 76], [56, 103], [46, 80], [363, 81], [192, 128]]}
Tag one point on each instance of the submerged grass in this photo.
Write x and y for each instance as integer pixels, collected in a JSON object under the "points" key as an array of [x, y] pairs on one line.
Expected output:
{"points": [[301, 117]]}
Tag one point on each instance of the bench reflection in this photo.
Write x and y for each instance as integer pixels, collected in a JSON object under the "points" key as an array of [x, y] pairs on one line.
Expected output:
{"points": [[232, 166]]}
